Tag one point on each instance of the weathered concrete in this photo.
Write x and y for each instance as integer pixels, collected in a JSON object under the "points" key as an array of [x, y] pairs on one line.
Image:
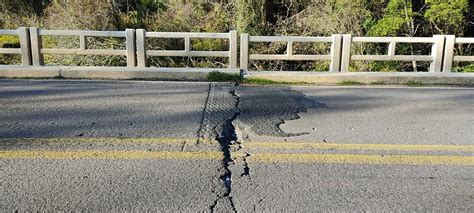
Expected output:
{"points": [[347, 116], [131, 145], [27, 72], [64, 116], [153, 73], [325, 78], [361, 114]]}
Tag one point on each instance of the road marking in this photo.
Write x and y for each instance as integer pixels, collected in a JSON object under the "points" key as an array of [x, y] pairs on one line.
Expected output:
{"points": [[400, 147], [257, 157], [361, 159], [96, 154]]}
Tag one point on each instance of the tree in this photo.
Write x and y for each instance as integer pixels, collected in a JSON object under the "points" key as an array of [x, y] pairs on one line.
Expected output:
{"points": [[250, 16], [447, 16]]}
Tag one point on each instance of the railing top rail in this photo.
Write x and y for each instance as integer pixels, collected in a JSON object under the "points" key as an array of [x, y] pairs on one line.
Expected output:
{"points": [[9, 32], [394, 39], [289, 38], [82, 33], [465, 40], [186, 35]]}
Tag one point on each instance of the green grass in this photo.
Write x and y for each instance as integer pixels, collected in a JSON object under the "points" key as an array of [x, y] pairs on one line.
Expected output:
{"points": [[261, 81], [350, 83], [223, 77], [414, 84], [378, 83]]}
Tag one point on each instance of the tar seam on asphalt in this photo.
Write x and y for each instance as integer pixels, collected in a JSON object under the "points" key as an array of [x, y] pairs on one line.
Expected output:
{"points": [[203, 118], [220, 111], [265, 109]]}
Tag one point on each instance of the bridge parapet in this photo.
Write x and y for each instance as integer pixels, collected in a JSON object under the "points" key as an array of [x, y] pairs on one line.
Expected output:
{"points": [[135, 49], [143, 52], [24, 49]]}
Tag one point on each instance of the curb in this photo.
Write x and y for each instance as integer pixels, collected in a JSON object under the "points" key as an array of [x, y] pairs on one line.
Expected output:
{"points": [[324, 78], [115, 73]]}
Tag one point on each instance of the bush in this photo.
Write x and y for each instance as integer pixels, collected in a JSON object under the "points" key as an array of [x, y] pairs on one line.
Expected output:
{"points": [[9, 42]]}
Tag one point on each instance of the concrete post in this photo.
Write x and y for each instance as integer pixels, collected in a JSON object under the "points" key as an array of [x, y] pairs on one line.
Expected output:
{"points": [[336, 46], [391, 48], [83, 42], [141, 47], [289, 48], [233, 50], [244, 51], [36, 45], [346, 52], [130, 44], [448, 52], [187, 45], [437, 53], [25, 46]]}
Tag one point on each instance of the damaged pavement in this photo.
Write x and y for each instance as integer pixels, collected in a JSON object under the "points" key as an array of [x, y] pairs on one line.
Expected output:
{"points": [[133, 146]]}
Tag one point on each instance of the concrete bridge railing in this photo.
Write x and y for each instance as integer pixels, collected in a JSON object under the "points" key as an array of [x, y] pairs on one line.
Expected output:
{"points": [[334, 55], [441, 57], [436, 57], [136, 51], [449, 56], [37, 49], [24, 49], [143, 52]]}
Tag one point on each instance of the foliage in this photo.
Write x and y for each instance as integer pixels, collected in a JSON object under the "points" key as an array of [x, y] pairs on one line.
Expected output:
{"points": [[263, 81], [223, 77], [447, 16], [350, 83], [9, 42], [81, 15], [397, 15], [257, 17], [250, 16]]}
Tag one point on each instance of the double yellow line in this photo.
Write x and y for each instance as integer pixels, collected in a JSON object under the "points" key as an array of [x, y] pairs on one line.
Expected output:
{"points": [[256, 157]]}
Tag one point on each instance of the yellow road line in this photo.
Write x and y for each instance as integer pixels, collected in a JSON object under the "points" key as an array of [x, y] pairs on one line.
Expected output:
{"points": [[95, 154], [361, 159], [400, 147], [257, 157]]}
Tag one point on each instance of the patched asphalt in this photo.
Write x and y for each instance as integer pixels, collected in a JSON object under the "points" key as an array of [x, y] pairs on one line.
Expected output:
{"points": [[365, 149], [184, 146]]}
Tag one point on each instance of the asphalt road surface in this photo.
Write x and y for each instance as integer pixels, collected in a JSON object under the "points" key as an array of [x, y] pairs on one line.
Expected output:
{"points": [[187, 146]]}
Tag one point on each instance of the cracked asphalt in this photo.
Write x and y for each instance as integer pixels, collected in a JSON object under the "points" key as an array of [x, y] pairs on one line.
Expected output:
{"points": [[220, 147]]}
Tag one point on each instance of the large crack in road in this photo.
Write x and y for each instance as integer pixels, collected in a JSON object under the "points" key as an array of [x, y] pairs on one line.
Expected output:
{"points": [[220, 111], [263, 110]]}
